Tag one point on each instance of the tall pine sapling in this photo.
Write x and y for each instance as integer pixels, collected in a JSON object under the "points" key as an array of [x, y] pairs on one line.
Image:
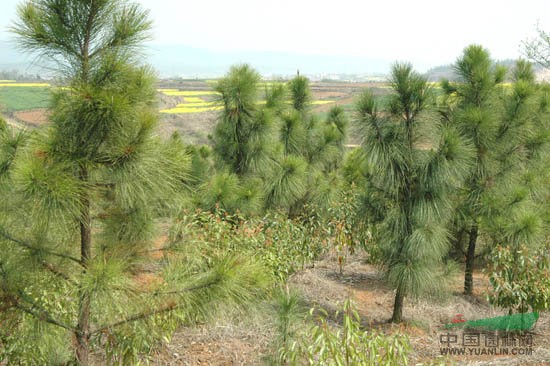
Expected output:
{"points": [[415, 162], [507, 129]]}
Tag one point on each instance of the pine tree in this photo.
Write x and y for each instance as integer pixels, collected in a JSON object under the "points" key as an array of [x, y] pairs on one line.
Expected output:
{"points": [[317, 144], [84, 193], [507, 129], [516, 202], [287, 185], [289, 153], [300, 93], [243, 138], [244, 144], [477, 115], [414, 163]]}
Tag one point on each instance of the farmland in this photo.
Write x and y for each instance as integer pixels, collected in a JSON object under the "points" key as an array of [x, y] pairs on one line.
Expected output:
{"points": [[187, 107], [15, 96], [191, 107]]}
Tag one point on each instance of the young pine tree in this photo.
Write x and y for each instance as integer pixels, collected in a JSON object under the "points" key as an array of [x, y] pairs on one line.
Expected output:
{"points": [[477, 112], [243, 137], [517, 198], [517, 224], [244, 144], [508, 130], [75, 233], [414, 162], [288, 183], [318, 145], [272, 156]]}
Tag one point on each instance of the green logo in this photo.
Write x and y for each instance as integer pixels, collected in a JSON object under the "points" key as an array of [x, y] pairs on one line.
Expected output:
{"points": [[524, 321]]}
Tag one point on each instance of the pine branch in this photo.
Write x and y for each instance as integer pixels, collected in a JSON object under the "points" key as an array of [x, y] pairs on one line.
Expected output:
{"points": [[35, 310], [104, 185], [189, 289], [164, 309], [50, 267], [43, 315], [141, 316], [28, 246]]}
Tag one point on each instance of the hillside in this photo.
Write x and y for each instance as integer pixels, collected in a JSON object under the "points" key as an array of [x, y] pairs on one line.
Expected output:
{"points": [[446, 71]]}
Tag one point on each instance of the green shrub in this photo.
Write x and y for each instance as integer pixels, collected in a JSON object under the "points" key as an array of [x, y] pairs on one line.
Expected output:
{"points": [[346, 345], [520, 279], [282, 244], [342, 226]]}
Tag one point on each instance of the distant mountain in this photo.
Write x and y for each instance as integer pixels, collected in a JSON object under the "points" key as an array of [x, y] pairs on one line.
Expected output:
{"points": [[189, 62], [440, 72], [447, 72], [179, 60], [172, 60], [13, 62], [9, 57]]}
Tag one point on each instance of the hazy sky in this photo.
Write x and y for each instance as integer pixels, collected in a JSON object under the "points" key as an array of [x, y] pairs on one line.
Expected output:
{"points": [[425, 32]]}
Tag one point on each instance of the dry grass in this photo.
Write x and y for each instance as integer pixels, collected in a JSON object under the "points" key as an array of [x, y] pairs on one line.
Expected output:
{"points": [[220, 344]]}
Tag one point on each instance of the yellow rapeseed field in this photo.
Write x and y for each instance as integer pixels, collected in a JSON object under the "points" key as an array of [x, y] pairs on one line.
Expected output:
{"points": [[203, 106], [27, 85], [186, 109], [187, 93], [193, 100], [198, 105]]}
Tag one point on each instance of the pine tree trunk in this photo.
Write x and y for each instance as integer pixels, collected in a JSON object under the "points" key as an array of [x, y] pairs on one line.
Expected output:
{"points": [[397, 316], [458, 242], [83, 329], [470, 258], [83, 326]]}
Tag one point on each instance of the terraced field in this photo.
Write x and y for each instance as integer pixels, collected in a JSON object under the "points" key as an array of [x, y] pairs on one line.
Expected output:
{"points": [[197, 101]]}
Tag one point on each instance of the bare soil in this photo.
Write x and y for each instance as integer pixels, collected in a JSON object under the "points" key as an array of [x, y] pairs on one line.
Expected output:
{"points": [[34, 117], [194, 128]]}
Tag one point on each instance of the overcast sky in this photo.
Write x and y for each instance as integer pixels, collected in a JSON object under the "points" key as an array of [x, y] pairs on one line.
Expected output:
{"points": [[424, 32]]}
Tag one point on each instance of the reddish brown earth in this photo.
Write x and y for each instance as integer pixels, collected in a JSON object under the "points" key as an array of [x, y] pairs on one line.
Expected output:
{"points": [[35, 117]]}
